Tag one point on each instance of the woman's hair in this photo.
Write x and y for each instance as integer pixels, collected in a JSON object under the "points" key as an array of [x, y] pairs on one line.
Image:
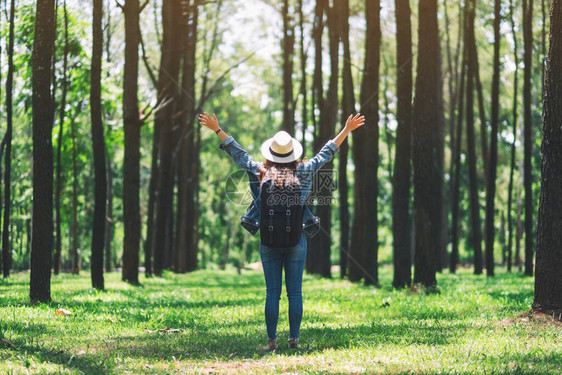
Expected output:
{"points": [[282, 174]]}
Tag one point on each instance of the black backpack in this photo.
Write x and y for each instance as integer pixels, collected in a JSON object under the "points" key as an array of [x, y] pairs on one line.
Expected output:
{"points": [[281, 212]]}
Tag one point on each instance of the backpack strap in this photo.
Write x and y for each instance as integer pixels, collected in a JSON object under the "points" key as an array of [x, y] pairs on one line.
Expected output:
{"points": [[270, 227], [288, 213]]}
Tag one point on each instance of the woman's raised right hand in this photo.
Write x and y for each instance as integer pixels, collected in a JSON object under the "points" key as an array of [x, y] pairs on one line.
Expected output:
{"points": [[209, 122]]}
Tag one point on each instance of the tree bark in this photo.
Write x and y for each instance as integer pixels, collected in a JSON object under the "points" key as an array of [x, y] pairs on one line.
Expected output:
{"points": [[43, 111], [548, 289], [471, 146], [288, 54], [425, 145], [75, 257], [514, 126], [109, 217], [363, 262], [132, 124], [321, 243], [187, 219], [100, 183], [303, 87], [166, 121], [401, 222], [528, 128], [348, 107], [6, 245]]}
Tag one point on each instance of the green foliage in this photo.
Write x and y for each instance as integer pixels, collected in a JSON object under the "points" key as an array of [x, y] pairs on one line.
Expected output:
{"points": [[473, 325]]}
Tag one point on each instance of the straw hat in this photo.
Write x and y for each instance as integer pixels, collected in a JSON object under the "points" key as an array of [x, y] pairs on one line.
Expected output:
{"points": [[282, 148]]}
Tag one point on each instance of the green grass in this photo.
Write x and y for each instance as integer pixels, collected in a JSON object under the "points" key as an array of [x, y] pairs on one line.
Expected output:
{"points": [[474, 325]]}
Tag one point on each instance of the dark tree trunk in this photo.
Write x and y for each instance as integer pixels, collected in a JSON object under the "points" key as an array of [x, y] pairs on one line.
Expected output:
{"points": [[186, 229], [402, 168], [43, 111], [100, 184], [288, 54], [491, 190], [75, 256], [348, 107], [150, 219], [109, 217], [303, 87], [317, 102], [471, 145], [363, 262], [456, 177], [6, 245], [321, 243], [514, 126], [528, 128], [132, 126], [58, 187], [548, 289], [426, 114], [168, 77]]}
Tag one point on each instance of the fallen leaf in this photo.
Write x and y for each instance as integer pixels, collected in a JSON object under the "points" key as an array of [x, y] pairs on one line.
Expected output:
{"points": [[8, 342], [81, 352], [62, 312], [169, 330]]}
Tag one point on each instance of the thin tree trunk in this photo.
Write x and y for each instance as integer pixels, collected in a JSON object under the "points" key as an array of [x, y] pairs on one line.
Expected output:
{"points": [[321, 243], [514, 125], [165, 120], [455, 194], [425, 145], [152, 192], [100, 183], [43, 111], [132, 124], [186, 230], [548, 289], [348, 107], [303, 88], [62, 110], [528, 128], [519, 224], [318, 101], [109, 217], [6, 245], [74, 249], [470, 143], [363, 261], [401, 222], [288, 54], [493, 164]]}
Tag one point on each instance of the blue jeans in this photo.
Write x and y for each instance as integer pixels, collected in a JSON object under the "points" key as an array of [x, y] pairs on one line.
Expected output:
{"points": [[274, 260]]}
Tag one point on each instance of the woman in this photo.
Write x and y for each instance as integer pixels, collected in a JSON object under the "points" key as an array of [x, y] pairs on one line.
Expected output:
{"points": [[282, 153]]}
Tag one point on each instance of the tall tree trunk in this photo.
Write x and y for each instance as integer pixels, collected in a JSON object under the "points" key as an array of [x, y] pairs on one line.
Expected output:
{"points": [[514, 125], [74, 248], [456, 177], [303, 87], [471, 145], [109, 217], [402, 167], [6, 245], [43, 111], [528, 128], [348, 107], [363, 261], [318, 100], [321, 243], [288, 54], [62, 111], [425, 145], [186, 229], [132, 125], [100, 183], [548, 289], [152, 192], [168, 76], [493, 164]]}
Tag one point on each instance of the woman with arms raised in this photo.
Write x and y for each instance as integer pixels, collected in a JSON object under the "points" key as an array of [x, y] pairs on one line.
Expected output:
{"points": [[284, 184]]}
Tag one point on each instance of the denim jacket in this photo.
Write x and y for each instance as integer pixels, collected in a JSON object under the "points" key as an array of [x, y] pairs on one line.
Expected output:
{"points": [[305, 173]]}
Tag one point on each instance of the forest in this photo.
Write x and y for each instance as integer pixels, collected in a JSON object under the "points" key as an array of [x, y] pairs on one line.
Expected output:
{"points": [[104, 166], [439, 248]]}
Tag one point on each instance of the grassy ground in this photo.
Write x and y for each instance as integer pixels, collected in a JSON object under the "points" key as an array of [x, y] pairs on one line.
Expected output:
{"points": [[474, 325]]}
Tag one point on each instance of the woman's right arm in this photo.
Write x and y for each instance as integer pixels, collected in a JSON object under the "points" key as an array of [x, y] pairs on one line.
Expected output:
{"points": [[238, 154]]}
